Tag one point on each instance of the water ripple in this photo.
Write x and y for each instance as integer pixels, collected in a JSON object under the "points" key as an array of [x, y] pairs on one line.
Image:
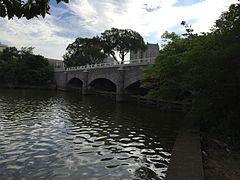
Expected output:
{"points": [[51, 137]]}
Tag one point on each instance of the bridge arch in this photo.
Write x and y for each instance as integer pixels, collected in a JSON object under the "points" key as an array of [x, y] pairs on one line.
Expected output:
{"points": [[132, 76], [131, 79], [75, 83], [136, 89], [103, 84], [70, 75], [111, 76]]}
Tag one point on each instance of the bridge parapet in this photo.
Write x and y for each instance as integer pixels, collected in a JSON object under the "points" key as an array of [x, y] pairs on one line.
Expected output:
{"points": [[135, 62]]}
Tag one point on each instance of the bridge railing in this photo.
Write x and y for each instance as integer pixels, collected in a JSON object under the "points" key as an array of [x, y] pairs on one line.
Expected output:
{"points": [[143, 61], [150, 60]]}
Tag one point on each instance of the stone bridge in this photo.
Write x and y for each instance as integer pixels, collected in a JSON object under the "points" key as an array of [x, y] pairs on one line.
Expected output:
{"points": [[121, 75]]}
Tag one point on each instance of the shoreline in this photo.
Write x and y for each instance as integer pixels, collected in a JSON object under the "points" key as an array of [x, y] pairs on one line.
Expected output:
{"points": [[43, 87]]}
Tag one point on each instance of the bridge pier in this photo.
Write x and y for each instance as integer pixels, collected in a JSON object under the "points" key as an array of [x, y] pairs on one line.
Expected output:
{"points": [[85, 89], [60, 79], [120, 96]]}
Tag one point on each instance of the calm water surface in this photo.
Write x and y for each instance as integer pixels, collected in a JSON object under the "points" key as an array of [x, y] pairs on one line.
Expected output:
{"points": [[49, 135]]}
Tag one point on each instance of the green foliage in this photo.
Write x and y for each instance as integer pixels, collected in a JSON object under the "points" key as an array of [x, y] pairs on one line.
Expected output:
{"points": [[28, 9], [23, 67], [229, 21], [84, 51], [93, 50], [121, 41], [205, 68]]}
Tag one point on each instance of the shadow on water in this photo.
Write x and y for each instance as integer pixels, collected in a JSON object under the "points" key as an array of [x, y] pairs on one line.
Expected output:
{"points": [[52, 135]]}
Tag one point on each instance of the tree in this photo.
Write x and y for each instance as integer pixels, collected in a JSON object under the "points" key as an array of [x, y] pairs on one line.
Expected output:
{"points": [[204, 67], [29, 9], [121, 41], [229, 20], [23, 67], [10, 52], [84, 51]]}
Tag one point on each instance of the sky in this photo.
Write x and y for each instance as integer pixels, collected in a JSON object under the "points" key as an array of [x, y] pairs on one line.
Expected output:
{"points": [[87, 18]]}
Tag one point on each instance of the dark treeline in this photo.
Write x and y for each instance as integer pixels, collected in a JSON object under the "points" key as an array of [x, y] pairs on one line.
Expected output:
{"points": [[205, 68], [24, 68]]}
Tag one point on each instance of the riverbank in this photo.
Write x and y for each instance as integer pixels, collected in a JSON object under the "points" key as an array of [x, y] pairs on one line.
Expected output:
{"points": [[220, 160], [186, 159], [43, 87], [211, 157]]}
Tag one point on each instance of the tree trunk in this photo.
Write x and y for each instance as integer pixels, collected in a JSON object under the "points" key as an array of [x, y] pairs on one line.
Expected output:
{"points": [[122, 58], [114, 57]]}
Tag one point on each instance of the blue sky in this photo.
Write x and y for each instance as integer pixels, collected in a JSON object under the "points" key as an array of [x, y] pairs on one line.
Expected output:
{"points": [[86, 18]]}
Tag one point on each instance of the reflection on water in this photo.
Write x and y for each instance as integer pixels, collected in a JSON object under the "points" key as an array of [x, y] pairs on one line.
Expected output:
{"points": [[48, 135]]}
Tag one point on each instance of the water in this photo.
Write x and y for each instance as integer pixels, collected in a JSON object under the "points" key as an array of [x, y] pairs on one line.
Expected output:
{"points": [[49, 135]]}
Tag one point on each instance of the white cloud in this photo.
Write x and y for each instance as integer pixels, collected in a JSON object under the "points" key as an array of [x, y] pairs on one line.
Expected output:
{"points": [[84, 18], [100, 15], [38, 33]]}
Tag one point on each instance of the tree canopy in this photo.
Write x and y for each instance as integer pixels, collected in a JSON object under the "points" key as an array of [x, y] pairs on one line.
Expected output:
{"points": [[121, 41], [84, 51], [28, 9], [203, 67], [23, 67], [94, 50]]}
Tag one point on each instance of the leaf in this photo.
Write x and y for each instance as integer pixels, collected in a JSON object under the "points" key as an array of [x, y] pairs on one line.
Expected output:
{"points": [[3, 12], [9, 7]]}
